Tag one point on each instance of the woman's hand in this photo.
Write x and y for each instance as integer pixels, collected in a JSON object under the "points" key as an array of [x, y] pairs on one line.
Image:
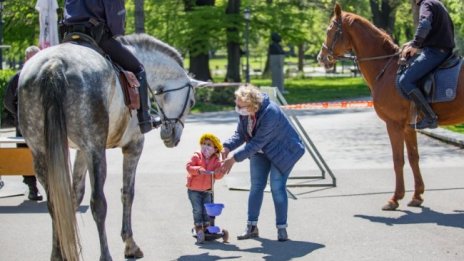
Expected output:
{"points": [[225, 152], [227, 165]]}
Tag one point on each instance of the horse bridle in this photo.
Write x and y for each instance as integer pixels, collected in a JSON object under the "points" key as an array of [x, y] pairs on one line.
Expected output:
{"points": [[161, 92], [331, 57], [338, 33]]}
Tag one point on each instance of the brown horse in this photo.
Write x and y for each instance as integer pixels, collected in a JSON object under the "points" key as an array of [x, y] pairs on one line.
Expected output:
{"points": [[377, 57]]}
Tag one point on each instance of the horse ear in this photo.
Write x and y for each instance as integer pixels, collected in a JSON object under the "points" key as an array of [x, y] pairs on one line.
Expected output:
{"points": [[199, 84], [338, 10]]}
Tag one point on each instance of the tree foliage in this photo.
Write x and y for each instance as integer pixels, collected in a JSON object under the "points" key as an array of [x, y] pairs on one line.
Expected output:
{"points": [[299, 22]]}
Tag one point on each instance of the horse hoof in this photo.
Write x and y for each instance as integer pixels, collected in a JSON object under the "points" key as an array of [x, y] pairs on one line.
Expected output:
{"points": [[415, 202], [391, 205], [135, 255]]}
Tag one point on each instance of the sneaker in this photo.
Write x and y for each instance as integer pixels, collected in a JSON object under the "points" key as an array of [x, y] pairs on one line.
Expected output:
{"points": [[200, 237], [282, 234], [250, 232]]}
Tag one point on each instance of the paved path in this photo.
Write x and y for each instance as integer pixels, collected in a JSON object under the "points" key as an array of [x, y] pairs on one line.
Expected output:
{"points": [[342, 223]]}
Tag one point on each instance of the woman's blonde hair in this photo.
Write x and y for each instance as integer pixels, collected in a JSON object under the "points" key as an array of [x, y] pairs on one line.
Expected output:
{"points": [[251, 95]]}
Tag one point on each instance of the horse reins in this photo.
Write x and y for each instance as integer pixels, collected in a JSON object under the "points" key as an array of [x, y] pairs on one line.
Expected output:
{"points": [[165, 118], [331, 57]]}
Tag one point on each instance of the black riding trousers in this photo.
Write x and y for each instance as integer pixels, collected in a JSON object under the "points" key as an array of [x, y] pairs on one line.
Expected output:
{"points": [[121, 55]]}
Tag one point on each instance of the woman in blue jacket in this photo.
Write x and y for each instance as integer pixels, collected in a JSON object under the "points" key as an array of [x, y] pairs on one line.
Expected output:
{"points": [[273, 147]]}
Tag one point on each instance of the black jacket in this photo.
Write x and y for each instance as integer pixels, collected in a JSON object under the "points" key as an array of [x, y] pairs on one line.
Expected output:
{"points": [[10, 98], [110, 12], [435, 28]]}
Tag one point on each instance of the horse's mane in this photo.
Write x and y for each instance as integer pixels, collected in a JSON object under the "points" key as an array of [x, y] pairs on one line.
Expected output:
{"points": [[388, 43], [147, 42]]}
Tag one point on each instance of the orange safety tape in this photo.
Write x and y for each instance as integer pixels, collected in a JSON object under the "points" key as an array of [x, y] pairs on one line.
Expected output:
{"points": [[330, 105]]}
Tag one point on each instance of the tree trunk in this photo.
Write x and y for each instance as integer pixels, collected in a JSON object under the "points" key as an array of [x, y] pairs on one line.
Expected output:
{"points": [[415, 12], [233, 45], [139, 16], [383, 14], [199, 67], [301, 57], [199, 63]]}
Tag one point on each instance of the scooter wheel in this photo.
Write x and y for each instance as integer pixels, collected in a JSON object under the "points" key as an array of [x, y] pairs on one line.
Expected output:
{"points": [[225, 236]]}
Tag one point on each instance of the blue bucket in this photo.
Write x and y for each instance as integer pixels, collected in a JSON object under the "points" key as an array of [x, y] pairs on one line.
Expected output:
{"points": [[214, 209]]}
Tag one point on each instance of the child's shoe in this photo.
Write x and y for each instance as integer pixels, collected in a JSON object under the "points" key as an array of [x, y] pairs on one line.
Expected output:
{"points": [[200, 234]]}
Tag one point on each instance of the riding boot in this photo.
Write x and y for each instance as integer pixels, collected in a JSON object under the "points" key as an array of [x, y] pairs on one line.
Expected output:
{"points": [[31, 182], [430, 119], [251, 231], [146, 121]]}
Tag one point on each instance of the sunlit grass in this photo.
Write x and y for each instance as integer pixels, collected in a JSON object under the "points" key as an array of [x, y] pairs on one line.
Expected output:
{"points": [[456, 128], [306, 90]]}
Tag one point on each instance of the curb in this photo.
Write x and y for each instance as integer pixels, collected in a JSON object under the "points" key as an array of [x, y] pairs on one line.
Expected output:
{"points": [[445, 135]]}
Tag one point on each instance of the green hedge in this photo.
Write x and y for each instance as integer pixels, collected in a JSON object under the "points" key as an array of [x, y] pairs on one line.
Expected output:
{"points": [[5, 118]]}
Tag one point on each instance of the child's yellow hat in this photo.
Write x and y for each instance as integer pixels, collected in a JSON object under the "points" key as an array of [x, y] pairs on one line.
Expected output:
{"points": [[217, 143]]}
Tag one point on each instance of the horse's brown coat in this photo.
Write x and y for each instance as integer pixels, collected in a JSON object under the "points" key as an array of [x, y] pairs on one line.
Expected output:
{"points": [[367, 41]]}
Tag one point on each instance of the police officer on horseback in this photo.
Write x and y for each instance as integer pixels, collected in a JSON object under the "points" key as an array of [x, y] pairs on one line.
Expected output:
{"points": [[435, 36], [104, 20]]}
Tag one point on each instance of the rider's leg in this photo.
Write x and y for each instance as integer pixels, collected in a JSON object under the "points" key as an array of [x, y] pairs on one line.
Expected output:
{"points": [[122, 56], [427, 61]]}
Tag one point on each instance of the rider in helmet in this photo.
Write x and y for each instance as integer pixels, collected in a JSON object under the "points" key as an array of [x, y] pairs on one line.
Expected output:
{"points": [[104, 20], [435, 36]]}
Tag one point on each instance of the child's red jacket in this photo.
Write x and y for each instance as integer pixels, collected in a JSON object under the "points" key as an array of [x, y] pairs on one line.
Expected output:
{"points": [[202, 182]]}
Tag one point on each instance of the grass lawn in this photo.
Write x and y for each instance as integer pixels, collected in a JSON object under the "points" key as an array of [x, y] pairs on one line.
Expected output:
{"points": [[304, 91], [456, 128], [321, 89]]}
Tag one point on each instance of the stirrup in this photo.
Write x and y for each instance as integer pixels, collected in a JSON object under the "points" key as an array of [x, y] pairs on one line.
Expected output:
{"points": [[426, 123]]}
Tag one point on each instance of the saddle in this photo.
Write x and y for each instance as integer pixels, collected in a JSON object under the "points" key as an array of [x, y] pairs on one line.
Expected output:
{"points": [[127, 79], [439, 85]]}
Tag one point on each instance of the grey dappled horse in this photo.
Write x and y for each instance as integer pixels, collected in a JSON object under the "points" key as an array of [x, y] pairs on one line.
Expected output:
{"points": [[69, 95]]}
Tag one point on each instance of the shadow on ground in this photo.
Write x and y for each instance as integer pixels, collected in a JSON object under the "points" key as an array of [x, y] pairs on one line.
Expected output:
{"points": [[425, 216], [29, 207], [272, 249]]}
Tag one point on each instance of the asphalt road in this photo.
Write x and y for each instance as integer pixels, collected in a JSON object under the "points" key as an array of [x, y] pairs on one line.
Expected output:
{"points": [[325, 223]]}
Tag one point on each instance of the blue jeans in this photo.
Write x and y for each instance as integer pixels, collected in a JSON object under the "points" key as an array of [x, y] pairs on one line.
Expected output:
{"points": [[426, 62], [260, 168], [198, 199]]}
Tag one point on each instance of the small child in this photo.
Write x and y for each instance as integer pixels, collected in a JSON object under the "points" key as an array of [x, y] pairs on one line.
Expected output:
{"points": [[201, 166]]}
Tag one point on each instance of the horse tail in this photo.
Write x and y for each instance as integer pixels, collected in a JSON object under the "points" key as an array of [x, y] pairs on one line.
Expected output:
{"points": [[53, 85]]}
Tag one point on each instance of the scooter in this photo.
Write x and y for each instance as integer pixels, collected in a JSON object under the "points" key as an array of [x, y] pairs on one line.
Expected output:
{"points": [[213, 232]]}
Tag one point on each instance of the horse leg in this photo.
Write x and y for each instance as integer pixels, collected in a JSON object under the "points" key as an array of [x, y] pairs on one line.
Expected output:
{"points": [[132, 154], [96, 162], [413, 156], [79, 171], [396, 135]]}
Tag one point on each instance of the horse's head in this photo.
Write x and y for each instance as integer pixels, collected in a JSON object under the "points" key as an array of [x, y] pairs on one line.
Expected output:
{"points": [[336, 43], [172, 87], [174, 98]]}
